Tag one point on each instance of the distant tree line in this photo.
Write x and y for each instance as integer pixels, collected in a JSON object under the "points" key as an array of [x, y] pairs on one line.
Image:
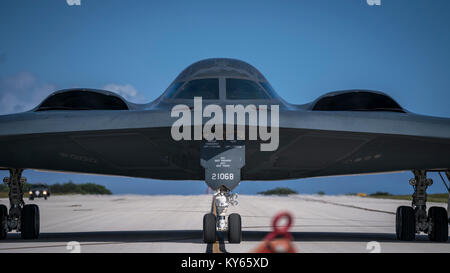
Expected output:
{"points": [[380, 193], [67, 188], [278, 191]]}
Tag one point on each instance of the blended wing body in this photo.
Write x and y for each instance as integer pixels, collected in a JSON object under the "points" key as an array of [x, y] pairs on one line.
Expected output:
{"points": [[341, 133]]}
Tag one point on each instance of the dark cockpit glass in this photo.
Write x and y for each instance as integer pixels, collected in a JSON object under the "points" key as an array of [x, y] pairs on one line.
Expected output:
{"points": [[208, 89], [269, 89], [173, 89], [241, 89]]}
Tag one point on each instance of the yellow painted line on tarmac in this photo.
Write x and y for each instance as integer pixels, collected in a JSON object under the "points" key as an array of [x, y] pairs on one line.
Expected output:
{"points": [[216, 248]]}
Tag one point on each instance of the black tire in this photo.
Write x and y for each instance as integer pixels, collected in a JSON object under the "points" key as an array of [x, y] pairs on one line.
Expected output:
{"points": [[30, 222], [405, 223], [438, 217], [234, 228], [209, 228], [3, 219]]}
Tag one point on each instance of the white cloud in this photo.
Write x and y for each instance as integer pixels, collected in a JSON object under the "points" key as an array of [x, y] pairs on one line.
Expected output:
{"points": [[127, 91], [22, 92]]}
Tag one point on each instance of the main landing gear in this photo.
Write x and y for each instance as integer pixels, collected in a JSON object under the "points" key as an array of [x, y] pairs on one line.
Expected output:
{"points": [[222, 162], [22, 218], [414, 219]]}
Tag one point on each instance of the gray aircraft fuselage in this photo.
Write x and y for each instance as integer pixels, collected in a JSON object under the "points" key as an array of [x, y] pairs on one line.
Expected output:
{"points": [[136, 140]]}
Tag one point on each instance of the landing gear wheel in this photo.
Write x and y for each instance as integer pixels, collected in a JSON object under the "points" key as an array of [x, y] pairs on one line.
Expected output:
{"points": [[209, 228], [30, 222], [437, 216], [3, 216], [234, 228], [405, 224]]}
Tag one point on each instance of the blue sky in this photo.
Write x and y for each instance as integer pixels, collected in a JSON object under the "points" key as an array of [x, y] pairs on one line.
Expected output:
{"points": [[304, 48]]}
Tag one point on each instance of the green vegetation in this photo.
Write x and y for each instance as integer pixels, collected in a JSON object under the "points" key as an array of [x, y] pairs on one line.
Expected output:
{"points": [[3, 188], [278, 191], [437, 197], [380, 193], [321, 193], [86, 188], [66, 188]]}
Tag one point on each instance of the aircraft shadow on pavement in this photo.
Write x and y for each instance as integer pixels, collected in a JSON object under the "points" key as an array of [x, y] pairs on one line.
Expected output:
{"points": [[195, 236]]}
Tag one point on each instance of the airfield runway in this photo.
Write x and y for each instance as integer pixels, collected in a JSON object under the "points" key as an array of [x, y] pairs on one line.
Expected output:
{"points": [[134, 223]]}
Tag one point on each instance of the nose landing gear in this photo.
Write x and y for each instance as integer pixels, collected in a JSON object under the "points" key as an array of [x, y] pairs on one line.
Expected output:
{"points": [[217, 221]]}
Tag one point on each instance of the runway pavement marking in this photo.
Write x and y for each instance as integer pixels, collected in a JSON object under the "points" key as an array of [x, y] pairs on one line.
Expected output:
{"points": [[63, 245], [331, 225], [344, 205], [92, 244]]}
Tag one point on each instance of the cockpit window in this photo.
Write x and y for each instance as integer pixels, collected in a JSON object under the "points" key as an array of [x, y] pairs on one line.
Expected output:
{"points": [[241, 89], [269, 89], [174, 89], [208, 89]]}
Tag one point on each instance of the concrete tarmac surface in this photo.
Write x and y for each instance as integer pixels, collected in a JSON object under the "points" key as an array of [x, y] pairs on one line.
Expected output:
{"points": [[172, 223]]}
